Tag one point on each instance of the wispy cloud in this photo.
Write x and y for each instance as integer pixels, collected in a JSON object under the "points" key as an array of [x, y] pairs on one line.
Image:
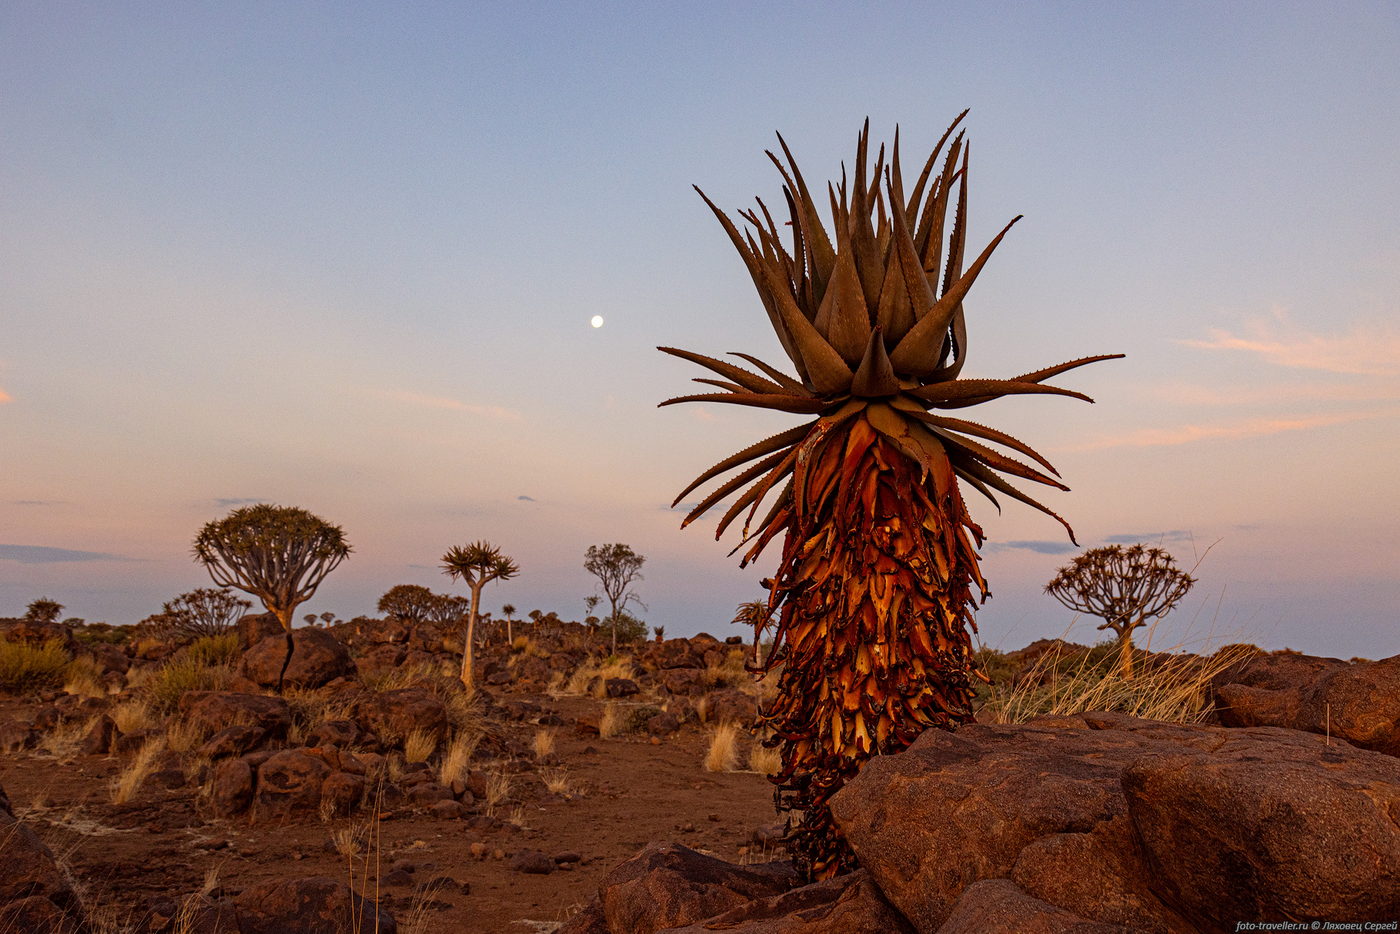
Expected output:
{"points": [[40, 554], [228, 502], [1039, 547], [526, 499], [1365, 349], [1226, 431], [456, 405], [37, 502], [1132, 538]]}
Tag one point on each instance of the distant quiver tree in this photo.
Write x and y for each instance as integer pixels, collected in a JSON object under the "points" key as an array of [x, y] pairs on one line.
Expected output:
{"points": [[617, 568], [477, 565], [43, 610], [411, 604], [202, 612], [1125, 587], [279, 554], [758, 616]]}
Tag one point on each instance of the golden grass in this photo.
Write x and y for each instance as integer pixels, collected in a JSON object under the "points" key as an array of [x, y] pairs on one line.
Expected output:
{"points": [[419, 674], [419, 745], [591, 677], [1169, 687], [612, 722], [84, 678], [214, 650], [183, 674], [545, 742], [456, 761], [728, 672], [27, 669], [557, 782], [63, 740], [723, 752], [498, 788], [763, 760], [133, 715], [129, 780], [184, 736]]}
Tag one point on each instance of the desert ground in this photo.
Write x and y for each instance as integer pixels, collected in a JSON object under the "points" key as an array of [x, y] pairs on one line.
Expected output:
{"points": [[161, 785]]}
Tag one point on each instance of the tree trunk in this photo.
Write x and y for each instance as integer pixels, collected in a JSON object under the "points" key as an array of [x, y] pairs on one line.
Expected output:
{"points": [[614, 629], [471, 631], [1125, 653], [510, 639], [286, 620]]}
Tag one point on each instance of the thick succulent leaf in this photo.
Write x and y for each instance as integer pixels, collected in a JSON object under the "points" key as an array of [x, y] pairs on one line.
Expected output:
{"points": [[908, 274], [1050, 371], [974, 391], [843, 317], [977, 485], [782, 439], [750, 381], [828, 373], [821, 253], [997, 460], [721, 383], [971, 467], [751, 261], [957, 238], [754, 494], [875, 377], [955, 345], [948, 423], [917, 354], [734, 483], [928, 239], [917, 193], [794, 404], [789, 384]]}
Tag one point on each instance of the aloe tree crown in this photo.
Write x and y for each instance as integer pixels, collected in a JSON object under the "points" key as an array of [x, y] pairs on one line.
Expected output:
{"points": [[478, 563]]}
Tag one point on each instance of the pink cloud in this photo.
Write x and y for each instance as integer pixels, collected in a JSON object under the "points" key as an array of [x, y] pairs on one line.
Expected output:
{"points": [[442, 402], [1248, 428], [1365, 349]]}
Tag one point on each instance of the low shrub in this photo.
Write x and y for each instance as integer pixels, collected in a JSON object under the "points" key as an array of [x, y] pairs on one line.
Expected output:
{"points": [[178, 677], [25, 669]]}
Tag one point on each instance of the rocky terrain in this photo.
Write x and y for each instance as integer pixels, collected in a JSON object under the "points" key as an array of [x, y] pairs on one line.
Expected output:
{"points": [[163, 787]]}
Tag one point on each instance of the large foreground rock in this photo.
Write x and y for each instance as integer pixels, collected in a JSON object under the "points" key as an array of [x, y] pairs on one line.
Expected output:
{"points": [[1129, 823], [1358, 702], [317, 659], [35, 893], [850, 904], [315, 905]]}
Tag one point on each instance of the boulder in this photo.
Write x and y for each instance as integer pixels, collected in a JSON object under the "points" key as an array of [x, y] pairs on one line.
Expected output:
{"points": [[317, 659], [1271, 825], [849, 904], [315, 905], [683, 681], [1360, 703], [620, 687], [394, 714], [731, 705], [15, 735], [289, 783], [231, 787], [215, 711], [35, 633], [668, 885], [380, 658], [99, 737], [35, 893], [1119, 821], [255, 627], [998, 906], [342, 792], [234, 741], [532, 862]]}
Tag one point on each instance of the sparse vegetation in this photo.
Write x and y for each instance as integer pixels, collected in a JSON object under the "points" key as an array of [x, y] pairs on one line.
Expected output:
{"points": [[279, 554], [43, 610], [27, 669], [723, 752], [419, 745], [477, 564], [617, 568], [129, 780], [179, 676], [456, 761], [201, 613]]}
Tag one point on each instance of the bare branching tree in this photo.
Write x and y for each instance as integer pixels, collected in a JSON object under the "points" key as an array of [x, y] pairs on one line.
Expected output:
{"points": [[1123, 586], [410, 604], [476, 565], [617, 568], [279, 554], [202, 612]]}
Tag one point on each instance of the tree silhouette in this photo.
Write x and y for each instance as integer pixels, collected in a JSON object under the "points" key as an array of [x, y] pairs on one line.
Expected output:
{"points": [[1123, 586], [508, 610], [202, 612], [279, 554], [476, 565], [757, 615], [43, 610], [617, 567]]}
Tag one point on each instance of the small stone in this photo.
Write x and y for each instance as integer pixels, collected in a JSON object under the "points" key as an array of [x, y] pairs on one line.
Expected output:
{"points": [[532, 862]]}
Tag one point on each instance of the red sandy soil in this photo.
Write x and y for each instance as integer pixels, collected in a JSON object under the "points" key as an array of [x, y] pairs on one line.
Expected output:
{"points": [[163, 844]]}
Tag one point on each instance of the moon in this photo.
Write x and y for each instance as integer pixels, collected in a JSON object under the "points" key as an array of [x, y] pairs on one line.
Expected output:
{"points": [[596, 321]]}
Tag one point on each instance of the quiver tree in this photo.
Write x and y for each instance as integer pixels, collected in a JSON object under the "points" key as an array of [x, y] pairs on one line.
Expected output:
{"points": [[43, 610], [1125, 587], [758, 616], [279, 554], [508, 611], [476, 565], [202, 612], [879, 573], [410, 604], [617, 568]]}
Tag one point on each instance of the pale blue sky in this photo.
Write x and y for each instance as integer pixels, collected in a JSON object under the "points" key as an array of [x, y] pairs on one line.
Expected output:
{"points": [[344, 257]]}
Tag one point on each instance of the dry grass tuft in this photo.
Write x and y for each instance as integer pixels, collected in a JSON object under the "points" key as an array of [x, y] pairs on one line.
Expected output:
{"points": [[556, 782], [183, 674], [591, 676], [133, 715], [498, 788], [129, 780], [184, 737], [456, 761], [765, 760], [420, 745], [27, 669], [85, 678], [612, 722], [63, 740], [545, 742], [1169, 687], [723, 754]]}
